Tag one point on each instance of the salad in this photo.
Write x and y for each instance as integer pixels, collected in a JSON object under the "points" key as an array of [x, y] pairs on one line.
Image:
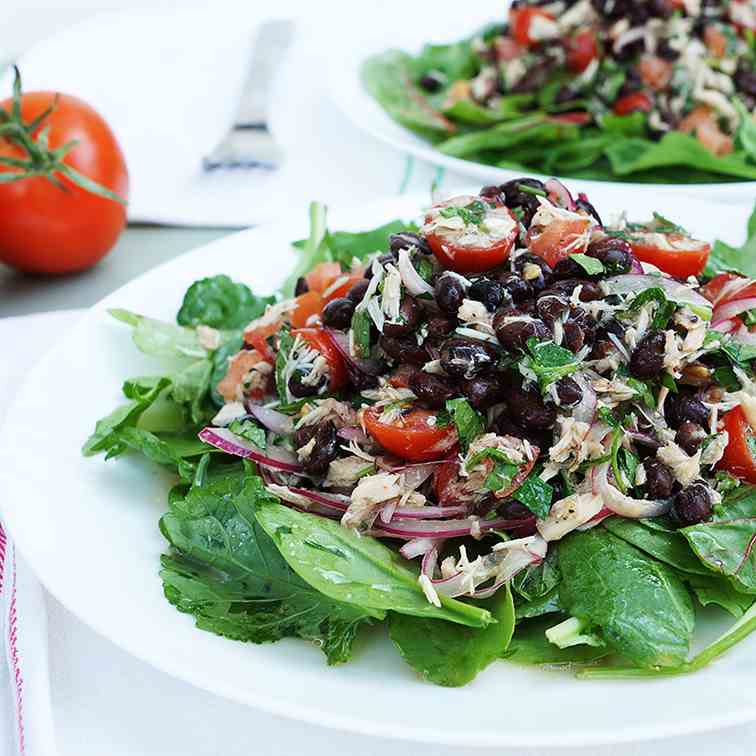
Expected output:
{"points": [[512, 431], [651, 91]]}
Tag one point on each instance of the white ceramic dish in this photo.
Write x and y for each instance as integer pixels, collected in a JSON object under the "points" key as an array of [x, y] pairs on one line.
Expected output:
{"points": [[419, 25], [89, 530]]}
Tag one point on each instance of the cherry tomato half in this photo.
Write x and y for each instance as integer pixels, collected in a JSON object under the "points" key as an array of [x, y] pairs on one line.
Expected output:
{"points": [[738, 457], [320, 341], [308, 304], [676, 254], [520, 20], [630, 103], [410, 436], [582, 48], [470, 241], [556, 240]]}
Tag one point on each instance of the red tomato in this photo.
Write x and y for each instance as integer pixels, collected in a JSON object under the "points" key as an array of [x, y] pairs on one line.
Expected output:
{"points": [[410, 436], [581, 50], [520, 20], [718, 292], [738, 458], [680, 256], [319, 340], [322, 276], [445, 476], [52, 229], [630, 103], [655, 72], [473, 249], [308, 304], [342, 289], [553, 242]]}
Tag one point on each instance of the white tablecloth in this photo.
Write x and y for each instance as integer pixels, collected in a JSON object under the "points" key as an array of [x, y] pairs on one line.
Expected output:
{"points": [[106, 703]]}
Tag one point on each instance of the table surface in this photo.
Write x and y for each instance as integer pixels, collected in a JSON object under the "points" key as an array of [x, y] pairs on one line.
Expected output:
{"points": [[140, 248]]}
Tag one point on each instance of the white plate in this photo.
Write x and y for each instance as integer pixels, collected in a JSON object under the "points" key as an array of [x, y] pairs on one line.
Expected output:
{"points": [[420, 24], [89, 530]]}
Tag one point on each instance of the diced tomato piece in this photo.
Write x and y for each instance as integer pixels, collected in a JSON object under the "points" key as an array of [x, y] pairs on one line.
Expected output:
{"points": [[680, 256], [520, 20], [582, 48], [308, 304], [738, 458], [322, 276], [411, 436], [631, 103], [319, 340], [557, 239], [230, 387], [655, 72]]}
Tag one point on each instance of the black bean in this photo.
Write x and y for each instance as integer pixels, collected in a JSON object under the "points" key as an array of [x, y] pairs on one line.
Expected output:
{"points": [[484, 391], [659, 479], [491, 293], [528, 410], [574, 336], [410, 313], [647, 359], [514, 197], [300, 389], [338, 313], [493, 193], [357, 292], [514, 334], [301, 286], [692, 505], [690, 436], [449, 293], [615, 254], [431, 82], [324, 451], [466, 358], [745, 78], [384, 259], [405, 350], [552, 307], [535, 270], [679, 408], [406, 239], [568, 391], [431, 390], [665, 51], [518, 289], [303, 435], [505, 426], [440, 328], [582, 203], [567, 268]]}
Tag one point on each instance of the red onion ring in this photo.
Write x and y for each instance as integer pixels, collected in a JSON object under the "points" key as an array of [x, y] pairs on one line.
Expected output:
{"points": [[271, 419], [733, 308], [230, 443], [559, 194]]}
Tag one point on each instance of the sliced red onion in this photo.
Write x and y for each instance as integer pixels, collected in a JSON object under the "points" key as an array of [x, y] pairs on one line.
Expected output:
{"points": [[341, 341], [353, 434], [223, 439], [675, 291], [271, 419], [335, 502], [733, 308], [410, 277], [597, 519], [430, 559], [731, 289], [619, 503], [585, 410], [406, 528], [744, 336], [724, 326], [635, 267], [559, 194], [387, 510], [417, 547]]}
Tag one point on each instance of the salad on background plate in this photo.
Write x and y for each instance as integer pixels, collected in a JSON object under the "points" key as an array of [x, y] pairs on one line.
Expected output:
{"points": [[517, 430], [658, 91]]}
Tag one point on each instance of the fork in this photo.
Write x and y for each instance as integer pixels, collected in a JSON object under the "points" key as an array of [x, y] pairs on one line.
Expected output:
{"points": [[249, 143]]}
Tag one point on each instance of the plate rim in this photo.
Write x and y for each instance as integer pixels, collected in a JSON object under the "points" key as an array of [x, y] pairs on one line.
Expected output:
{"points": [[363, 725]]}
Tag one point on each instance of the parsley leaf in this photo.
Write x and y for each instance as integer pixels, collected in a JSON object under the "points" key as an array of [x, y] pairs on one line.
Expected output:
{"points": [[285, 344], [469, 423], [590, 265], [535, 494], [361, 333], [472, 214], [549, 362], [249, 430]]}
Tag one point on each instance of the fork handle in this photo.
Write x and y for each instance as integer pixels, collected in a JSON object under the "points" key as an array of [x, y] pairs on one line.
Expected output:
{"points": [[273, 38]]}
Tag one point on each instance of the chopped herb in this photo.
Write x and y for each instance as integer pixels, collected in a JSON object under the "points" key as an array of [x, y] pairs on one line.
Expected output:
{"points": [[361, 333], [725, 482], [501, 476], [669, 382], [534, 190], [643, 390], [590, 265], [249, 430], [549, 362], [285, 344], [470, 424], [725, 377], [608, 417], [535, 494], [488, 453], [424, 268], [665, 226], [472, 214], [664, 310]]}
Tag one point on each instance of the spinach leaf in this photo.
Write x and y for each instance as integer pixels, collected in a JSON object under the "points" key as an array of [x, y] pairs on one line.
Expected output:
{"points": [[529, 645], [546, 604], [105, 437], [452, 655], [723, 257], [159, 339], [456, 60], [641, 606], [230, 576], [220, 303], [537, 580], [666, 545], [469, 422], [251, 431], [165, 449], [716, 589], [535, 494], [357, 569], [726, 543], [746, 134]]}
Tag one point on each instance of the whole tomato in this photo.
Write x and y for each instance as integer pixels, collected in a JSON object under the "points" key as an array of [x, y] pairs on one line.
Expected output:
{"points": [[66, 209]]}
